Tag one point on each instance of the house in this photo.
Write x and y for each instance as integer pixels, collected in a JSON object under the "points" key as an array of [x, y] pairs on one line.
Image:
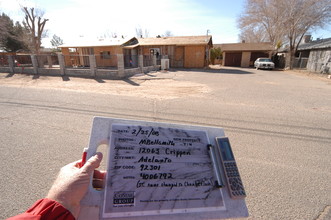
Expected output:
{"points": [[244, 54], [314, 55], [105, 51], [183, 52], [186, 52]]}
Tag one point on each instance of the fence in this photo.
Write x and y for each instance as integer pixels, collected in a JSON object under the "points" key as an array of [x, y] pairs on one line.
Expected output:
{"points": [[130, 61], [300, 63], [76, 61], [4, 60], [48, 61], [110, 66], [23, 60]]}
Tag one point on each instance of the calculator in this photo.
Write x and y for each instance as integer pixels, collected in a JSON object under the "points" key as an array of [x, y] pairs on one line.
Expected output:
{"points": [[234, 183]]}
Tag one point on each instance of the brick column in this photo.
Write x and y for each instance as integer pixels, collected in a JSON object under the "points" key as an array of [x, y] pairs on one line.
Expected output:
{"points": [[120, 65], [49, 61], [141, 62], [93, 65], [11, 64], [62, 64], [34, 63]]}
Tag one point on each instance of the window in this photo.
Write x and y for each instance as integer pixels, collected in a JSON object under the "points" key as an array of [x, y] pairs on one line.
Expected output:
{"points": [[105, 55], [72, 50]]}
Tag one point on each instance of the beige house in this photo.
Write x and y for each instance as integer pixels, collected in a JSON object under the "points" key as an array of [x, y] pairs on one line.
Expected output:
{"points": [[244, 54], [104, 50], [183, 52]]}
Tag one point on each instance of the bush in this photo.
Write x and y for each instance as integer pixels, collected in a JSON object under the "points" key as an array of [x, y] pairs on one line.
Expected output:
{"points": [[215, 53]]}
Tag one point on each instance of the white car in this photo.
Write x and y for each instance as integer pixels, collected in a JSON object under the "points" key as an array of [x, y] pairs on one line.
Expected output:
{"points": [[264, 63]]}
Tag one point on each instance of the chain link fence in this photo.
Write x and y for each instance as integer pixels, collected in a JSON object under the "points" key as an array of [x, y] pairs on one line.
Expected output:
{"points": [[300, 63]]}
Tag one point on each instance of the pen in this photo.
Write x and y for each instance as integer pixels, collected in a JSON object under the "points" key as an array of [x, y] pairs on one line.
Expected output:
{"points": [[219, 182], [84, 157]]}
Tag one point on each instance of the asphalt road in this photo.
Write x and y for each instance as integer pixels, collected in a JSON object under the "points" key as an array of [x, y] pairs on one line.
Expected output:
{"points": [[279, 125]]}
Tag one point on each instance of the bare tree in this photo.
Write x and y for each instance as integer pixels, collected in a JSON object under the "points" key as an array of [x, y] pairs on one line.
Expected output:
{"points": [[36, 26], [253, 35], [261, 19], [56, 41], [285, 21], [168, 33], [140, 33], [110, 34]]}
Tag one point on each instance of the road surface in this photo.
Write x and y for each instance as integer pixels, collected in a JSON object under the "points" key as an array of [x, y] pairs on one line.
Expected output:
{"points": [[279, 124]]}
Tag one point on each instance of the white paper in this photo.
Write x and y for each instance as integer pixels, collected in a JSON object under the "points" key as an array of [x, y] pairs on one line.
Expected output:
{"points": [[157, 170]]}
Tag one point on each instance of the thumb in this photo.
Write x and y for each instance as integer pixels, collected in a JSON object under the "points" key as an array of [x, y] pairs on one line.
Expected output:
{"points": [[93, 163]]}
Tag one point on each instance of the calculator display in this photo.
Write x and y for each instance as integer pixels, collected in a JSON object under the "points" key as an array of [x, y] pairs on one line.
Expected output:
{"points": [[225, 149]]}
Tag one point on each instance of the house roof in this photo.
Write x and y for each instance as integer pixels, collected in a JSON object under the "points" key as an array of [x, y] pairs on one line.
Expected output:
{"points": [[183, 40], [245, 47], [316, 44], [84, 42]]}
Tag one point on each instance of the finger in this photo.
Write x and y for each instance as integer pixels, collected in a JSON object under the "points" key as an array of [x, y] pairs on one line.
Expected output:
{"points": [[97, 183], [77, 163], [74, 164], [92, 163], [98, 174]]}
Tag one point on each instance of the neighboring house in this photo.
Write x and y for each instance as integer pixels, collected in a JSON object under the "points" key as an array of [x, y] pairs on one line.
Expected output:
{"points": [[183, 52], [105, 51], [244, 54], [314, 55], [187, 52]]}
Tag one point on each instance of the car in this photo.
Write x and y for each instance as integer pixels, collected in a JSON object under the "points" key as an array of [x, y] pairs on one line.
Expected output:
{"points": [[264, 63]]}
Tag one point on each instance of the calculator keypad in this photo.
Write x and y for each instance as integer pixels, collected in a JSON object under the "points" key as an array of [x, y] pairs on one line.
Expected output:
{"points": [[236, 187]]}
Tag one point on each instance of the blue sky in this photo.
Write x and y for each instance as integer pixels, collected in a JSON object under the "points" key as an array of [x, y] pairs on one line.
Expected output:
{"points": [[71, 19]]}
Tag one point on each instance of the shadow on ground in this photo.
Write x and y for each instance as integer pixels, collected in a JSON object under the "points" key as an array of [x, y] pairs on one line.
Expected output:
{"points": [[131, 82], [10, 75], [99, 80], [220, 71]]}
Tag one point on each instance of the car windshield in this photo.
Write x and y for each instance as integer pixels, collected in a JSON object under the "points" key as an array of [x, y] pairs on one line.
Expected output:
{"points": [[265, 60]]}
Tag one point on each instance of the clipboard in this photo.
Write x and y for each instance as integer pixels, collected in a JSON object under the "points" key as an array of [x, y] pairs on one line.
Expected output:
{"points": [[159, 171]]}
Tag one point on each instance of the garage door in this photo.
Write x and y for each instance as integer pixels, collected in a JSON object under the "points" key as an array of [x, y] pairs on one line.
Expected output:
{"points": [[255, 55], [232, 59]]}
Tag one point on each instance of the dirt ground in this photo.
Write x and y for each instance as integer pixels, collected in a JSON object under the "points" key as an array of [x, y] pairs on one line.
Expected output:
{"points": [[141, 85]]}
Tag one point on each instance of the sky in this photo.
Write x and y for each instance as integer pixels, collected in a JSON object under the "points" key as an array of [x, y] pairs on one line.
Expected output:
{"points": [[92, 19]]}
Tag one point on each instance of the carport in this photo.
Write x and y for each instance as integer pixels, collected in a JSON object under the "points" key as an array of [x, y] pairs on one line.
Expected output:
{"points": [[244, 54]]}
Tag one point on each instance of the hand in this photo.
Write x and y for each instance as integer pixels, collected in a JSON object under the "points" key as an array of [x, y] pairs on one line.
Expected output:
{"points": [[72, 183]]}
